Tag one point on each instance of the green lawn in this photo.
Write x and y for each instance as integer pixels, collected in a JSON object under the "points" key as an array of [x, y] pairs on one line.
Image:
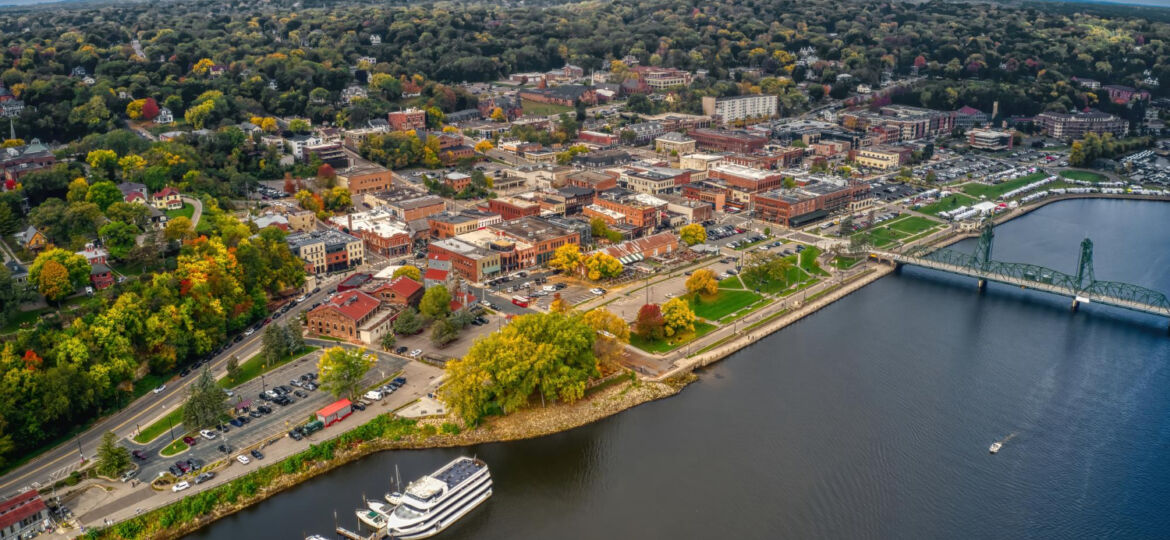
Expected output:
{"points": [[808, 261], [726, 302], [160, 426], [773, 286], [186, 211], [948, 203], [732, 282], [845, 263], [174, 448], [881, 236], [993, 191], [658, 346], [912, 225], [254, 366], [543, 109], [1084, 176]]}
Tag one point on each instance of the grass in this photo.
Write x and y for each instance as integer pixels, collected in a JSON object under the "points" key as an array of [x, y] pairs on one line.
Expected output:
{"points": [[31, 316], [1084, 176], [148, 383], [543, 109], [724, 303], [913, 225], [773, 286], [845, 263], [800, 286], [659, 346], [994, 191], [174, 448], [897, 230], [880, 237], [808, 261], [186, 211], [160, 426], [950, 202], [254, 366], [745, 312], [732, 282]]}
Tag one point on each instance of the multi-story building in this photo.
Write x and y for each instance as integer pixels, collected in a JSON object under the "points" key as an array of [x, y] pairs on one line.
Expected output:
{"points": [[400, 291], [651, 179], [742, 182], [716, 140], [635, 212], [599, 138], [467, 259], [534, 239], [330, 153], [381, 230], [448, 224], [911, 123], [567, 95], [598, 181], [354, 316], [694, 211], [1075, 126], [602, 159], [879, 158], [510, 208], [409, 119], [365, 178], [730, 109], [805, 204], [644, 132], [302, 220], [674, 142], [989, 139], [326, 250], [968, 117], [17, 161], [23, 515], [782, 158], [661, 78], [576, 198], [407, 203], [711, 191]]}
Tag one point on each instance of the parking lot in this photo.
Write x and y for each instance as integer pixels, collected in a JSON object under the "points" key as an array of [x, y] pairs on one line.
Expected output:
{"points": [[973, 166]]}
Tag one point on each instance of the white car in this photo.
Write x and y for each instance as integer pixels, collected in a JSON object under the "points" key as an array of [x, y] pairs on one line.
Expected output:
{"points": [[303, 298], [249, 331], [549, 288], [416, 353], [243, 459], [180, 486], [159, 389], [207, 434], [374, 395], [598, 292]]}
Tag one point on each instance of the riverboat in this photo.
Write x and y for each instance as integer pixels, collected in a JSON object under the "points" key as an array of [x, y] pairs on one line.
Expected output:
{"points": [[434, 502]]}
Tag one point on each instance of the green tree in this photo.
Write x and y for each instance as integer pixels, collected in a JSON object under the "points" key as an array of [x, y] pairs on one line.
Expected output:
{"points": [[408, 323], [76, 267], [409, 271], [693, 234], [129, 213], [112, 458], [388, 341], [340, 370], [443, 332], [436, 303], [233, 368], [274, 344], [103, 194], [118, 237], [294, 338], [205, 403]]}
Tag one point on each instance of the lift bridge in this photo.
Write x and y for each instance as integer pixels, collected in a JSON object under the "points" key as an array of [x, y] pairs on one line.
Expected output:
{"points": [[1082, 287]]}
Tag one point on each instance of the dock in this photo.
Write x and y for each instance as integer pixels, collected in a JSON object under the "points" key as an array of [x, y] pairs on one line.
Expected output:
{"points": [[346, 533]]}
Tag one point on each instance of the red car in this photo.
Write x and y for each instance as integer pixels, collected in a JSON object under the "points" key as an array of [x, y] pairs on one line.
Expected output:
{"points": [[190, 441]]}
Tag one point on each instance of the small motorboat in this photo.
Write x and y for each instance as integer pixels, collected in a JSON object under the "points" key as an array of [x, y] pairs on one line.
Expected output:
{"points": [[375, 520], [394, 498], [380, 507], [995, 446]]}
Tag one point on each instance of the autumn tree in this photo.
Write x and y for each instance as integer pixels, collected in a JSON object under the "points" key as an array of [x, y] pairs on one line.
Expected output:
{"points": [[149, 109], [443, 332], [703, 282], [567, 258], [53, 282], [677, 317], [435, 303], [340, 370], [613, 333], [179, 229], [76, 267], [558, 304], [409, 271], [483, 146], [693, 234], [602, 266], [649, 323]]}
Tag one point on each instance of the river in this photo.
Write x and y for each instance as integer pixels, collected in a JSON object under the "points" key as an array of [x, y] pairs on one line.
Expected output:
{"points": [[870, 419]]}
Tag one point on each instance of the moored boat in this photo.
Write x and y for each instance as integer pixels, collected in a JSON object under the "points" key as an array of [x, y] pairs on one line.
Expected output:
{"points": [[434, 502]]}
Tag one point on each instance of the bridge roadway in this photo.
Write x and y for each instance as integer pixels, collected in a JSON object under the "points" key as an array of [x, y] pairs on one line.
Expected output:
{"points": [[983, 276]]}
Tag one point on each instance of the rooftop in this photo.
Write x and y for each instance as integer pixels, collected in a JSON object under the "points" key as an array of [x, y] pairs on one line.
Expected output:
{"points": [[379, 221], [329, 237], [353, 304], [531, 229], [742, 171]]}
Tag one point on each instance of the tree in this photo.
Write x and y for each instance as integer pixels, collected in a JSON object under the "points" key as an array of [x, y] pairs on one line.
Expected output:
{"points": [[443, 332], [76, 267], [179, 229], [274, 345], [134, 109], [294, 339], [550, 354], [567, 258], [409, 271], [388, 341], [693, 234], [340, 370], [299, 126], [103, 194], [149, 109], [483, 146], [326, 172], [102, 160], [703, 282], [112, 458], [1076, 155], [118, 237], [205, 402], [649, 323], [602, 265], [53, 282], [78, 187], [408, 323], [498, 115], [678, 318], [612, 335], [558, 305], [233, 368], [435, 303]]}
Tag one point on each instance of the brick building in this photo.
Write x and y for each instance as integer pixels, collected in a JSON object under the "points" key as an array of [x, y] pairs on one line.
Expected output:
{"points": [[382, 231], [365, 178], [326, 251], [354, 316], [409, 119], [400, 291], [802, 205], [727, 141], [510, 208], [597, 180]]}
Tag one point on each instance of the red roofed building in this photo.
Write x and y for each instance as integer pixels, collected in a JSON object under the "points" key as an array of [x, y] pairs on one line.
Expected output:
{"points": [[401, 291], [435, 276], [23, 516], [354, 316], [335, 412], [167, 198]]}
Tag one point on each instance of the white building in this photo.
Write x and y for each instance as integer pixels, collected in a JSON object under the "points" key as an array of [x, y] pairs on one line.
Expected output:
{"points": [[731, 109]]}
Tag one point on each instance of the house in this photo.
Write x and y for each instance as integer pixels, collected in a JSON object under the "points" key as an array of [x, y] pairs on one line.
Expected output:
{"points": [[133, 192], [165, 117], [24, 515], [400, 291], [158, 220], [167, 198], [101, 276], [31, 239], [93, 254], [375, 39], [17, 161], [412, 118], [17, 271], [352, 92]]}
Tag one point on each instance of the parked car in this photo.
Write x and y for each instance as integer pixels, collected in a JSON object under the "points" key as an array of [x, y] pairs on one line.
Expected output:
{"points": [[190, 440], [255, 414], [180, 486], [400, 380], [358, 406], [310, 386], [195, 464], [295, 435], [204, 477], [138, 455], [256, 454], [126, 476], [224, 449], [249, 331], [401, 350], [374, 395], [296, 382], [243, 459], [159, 389], [264, 409], [175, 471], [207, 434], [236, 422], [183, 466], [243, 419]]}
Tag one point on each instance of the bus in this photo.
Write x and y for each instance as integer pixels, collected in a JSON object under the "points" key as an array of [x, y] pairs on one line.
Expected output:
{"points": [[521, 301]]}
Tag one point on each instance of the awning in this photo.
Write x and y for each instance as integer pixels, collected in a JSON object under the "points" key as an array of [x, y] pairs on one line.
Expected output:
{"points": [[628, 259], [807, 218]]}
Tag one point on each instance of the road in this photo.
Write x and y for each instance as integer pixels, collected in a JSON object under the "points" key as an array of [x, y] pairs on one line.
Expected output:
{"points": [[66, 457], [198, 210]]}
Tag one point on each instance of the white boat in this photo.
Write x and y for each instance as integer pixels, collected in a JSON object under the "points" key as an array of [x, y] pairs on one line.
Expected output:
{"points": [[316, 537], [375, 520], [432, 503], [995, 446], [380, 507], [394, 498]]}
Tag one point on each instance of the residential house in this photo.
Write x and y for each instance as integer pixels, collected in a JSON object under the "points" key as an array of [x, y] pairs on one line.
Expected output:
{"points": [[100, 276], [31, 239], [167, 198]]}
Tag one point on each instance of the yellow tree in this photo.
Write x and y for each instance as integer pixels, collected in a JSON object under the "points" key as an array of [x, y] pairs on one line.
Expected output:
{"points": [[484, 146], [559, 305], [678, 317], [409, 271], [131, 163], [53, 281], [613, 334], [566, 258], [134, 108], [498, 115], [703, 282], [202, 66], [693, 234], [601, 266]]}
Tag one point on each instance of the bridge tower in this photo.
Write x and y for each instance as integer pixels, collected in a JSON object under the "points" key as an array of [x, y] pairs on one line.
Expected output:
{"points": [[983, 249], [1085, 276]]}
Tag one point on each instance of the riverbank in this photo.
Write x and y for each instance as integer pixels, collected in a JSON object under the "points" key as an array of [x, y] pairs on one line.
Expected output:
{"points": [[384, 433]]}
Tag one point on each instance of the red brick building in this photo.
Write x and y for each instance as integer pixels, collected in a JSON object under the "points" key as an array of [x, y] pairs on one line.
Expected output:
{"points": [[598, 138], [510, 208], [808, 203], [400, 291], [354, 316], [726, 141], [407, 120], [597, 180]]}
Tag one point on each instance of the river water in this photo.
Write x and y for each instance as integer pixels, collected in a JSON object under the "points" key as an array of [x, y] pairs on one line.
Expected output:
{"points": [[870, 419]]}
